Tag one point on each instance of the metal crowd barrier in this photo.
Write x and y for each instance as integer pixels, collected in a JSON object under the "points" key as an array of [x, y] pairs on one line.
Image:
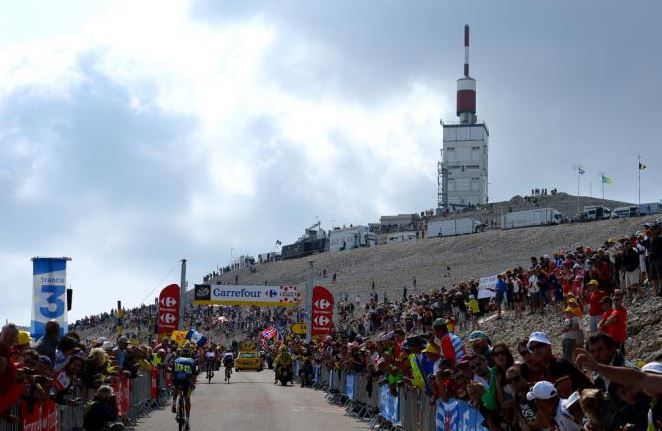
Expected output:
{"points": [[144, 396], [410, 410]]}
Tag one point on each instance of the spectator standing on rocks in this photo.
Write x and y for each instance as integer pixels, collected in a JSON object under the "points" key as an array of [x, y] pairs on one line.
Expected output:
{"points": [[501, 289], [595, 296], [614, 323], [571, 328], [655, 258]]}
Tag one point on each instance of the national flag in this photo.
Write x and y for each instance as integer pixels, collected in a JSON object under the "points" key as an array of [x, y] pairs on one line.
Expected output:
{"points": [[269, 333], [197, 338], [641, 166], [278, 242], [279, 334], [581, 170], [606, 179]]}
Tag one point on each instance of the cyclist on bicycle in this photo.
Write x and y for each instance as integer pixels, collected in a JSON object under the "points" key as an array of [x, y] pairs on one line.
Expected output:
{"points": [[228, 362], [184, 372], [210, 359]]}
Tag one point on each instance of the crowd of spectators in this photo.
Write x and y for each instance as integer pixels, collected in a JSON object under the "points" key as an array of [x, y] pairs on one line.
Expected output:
{"points": [[431, 341], [417, 341]]}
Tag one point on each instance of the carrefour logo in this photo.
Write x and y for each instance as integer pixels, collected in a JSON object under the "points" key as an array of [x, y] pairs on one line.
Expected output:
{"points": [[272, 293]]}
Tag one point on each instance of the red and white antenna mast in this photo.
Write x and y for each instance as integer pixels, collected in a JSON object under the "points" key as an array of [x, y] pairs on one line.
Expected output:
{"points": [[466, 88]]}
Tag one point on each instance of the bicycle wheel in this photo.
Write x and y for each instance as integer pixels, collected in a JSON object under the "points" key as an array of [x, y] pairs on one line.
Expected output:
{"points": [[181, 416]]}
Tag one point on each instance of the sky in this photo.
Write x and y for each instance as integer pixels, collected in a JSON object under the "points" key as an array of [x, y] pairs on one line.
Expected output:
{"points": [[135, 134]]}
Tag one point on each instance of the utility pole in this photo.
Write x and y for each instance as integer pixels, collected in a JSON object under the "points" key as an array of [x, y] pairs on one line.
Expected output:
{"points": [[309, 301], [639, 183], [182, 297]]}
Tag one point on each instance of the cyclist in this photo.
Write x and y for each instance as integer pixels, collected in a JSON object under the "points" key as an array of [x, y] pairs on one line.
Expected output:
{"points": [[228, 363], [210, 359], [184, 372]]}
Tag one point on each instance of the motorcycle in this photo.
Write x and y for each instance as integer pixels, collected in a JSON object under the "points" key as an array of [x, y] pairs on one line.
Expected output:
{"points": [[284, 374]]}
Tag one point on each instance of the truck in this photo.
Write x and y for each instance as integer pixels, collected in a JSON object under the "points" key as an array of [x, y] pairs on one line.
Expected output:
{"points": [[595, 212], [625, 212], [400, 237], [650, 208], [347, 238], [450, 227], [535, 217]]}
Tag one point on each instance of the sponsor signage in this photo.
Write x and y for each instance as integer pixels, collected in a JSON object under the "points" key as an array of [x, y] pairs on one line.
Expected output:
{"points": [[49, 294], [169, 309], [322, 315], [298, 328], [265, 296]]}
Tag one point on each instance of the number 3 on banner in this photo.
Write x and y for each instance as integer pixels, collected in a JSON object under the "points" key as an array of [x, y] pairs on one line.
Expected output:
{"points": [[54, 298]]}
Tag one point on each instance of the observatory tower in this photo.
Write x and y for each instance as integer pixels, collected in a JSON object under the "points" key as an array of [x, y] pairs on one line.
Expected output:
{"points": [[462, 171]]}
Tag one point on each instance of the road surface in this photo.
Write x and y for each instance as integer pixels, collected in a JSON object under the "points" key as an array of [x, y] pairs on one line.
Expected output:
{"points": [[252, 402]]}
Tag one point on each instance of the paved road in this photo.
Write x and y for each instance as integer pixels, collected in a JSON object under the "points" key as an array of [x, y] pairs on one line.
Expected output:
{"points": [[252, 402]]}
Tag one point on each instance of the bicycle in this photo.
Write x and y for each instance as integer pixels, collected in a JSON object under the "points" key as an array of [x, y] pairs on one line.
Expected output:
{"points": [[228, 373], [210, 373], [181, 413]]}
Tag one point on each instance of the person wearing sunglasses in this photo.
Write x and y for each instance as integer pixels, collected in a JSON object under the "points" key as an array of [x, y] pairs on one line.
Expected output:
{"points": [[531, 368], [562, 373], [525, 410]]}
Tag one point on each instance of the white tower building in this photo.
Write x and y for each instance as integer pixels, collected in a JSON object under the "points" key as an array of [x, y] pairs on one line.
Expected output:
{"points": [[462, 179]]}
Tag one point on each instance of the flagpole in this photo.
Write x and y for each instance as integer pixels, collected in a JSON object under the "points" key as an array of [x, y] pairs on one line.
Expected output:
{"points": [[602, 182], [579, 169], [639, 182]]}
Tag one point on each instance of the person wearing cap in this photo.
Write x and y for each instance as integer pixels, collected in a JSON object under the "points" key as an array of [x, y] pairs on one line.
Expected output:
{"points": [[101, 411], [481, 345], [550, 408], [560, 371], [570, 336], [594, 299], [121, 351], [449, 344]]}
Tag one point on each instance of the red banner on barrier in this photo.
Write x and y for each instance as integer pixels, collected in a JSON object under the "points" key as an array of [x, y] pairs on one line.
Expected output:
{"points": [[42, 417], [154, 392], [169, 309], [322, 316], [122, 389]]}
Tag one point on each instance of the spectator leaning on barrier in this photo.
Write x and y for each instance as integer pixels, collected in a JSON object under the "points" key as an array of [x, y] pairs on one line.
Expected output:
{"points": [[101, 411], [10, 383], [551, 411], [47, 344]]}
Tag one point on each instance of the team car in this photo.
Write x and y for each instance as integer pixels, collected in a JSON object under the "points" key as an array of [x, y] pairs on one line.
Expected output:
{"points": [[248, 361]]}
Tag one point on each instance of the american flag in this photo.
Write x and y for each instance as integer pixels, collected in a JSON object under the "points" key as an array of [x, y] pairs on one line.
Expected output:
{"points": [[269, 333]]}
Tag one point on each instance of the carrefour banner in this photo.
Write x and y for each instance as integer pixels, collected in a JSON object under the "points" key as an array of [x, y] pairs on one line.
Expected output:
{"points": [[49, 293], [265, 296]]}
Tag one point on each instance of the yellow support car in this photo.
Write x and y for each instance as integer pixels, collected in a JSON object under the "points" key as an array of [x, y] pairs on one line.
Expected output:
{"points": [[248, 361]]}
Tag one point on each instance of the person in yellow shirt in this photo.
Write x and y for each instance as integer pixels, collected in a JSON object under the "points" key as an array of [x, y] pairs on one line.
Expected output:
{"points": [[473, 310]]}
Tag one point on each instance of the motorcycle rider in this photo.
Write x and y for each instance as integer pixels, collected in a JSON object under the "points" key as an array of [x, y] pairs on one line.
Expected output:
{"points": [[282, 360]]}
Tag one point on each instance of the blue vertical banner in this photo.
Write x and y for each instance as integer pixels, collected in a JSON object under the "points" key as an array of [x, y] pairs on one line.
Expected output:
{"points": [[349, 385], [49, 293]]}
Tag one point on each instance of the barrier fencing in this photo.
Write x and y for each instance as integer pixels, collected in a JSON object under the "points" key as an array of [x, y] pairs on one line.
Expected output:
{"points": [[135, 398], [407, 410]]}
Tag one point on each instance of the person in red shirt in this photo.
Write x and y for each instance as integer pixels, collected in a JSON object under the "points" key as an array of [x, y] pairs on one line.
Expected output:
{"points": [[594, 300], [10, 384], [615, 323]]}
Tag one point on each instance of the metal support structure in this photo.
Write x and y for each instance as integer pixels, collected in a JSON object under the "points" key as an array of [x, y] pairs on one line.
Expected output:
{"points": [[120, 314], [182, 297], [309, 301]]}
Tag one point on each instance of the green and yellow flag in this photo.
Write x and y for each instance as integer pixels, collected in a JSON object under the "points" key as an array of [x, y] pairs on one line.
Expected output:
{"points": [[606, 179]]}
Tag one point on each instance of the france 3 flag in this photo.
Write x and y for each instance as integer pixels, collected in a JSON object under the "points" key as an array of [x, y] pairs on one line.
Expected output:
{"points": [[196, 337]]}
